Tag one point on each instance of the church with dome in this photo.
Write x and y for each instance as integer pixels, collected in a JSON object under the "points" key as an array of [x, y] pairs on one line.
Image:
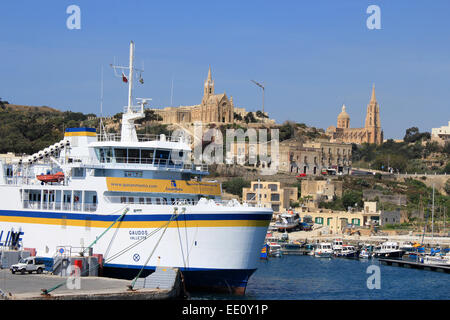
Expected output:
{"points": [[214, 108], [371, 133]]}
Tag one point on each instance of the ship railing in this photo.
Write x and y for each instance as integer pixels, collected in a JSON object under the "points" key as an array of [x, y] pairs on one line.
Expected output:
{"points": [[66, 206], [90, 207], [27, 204], [176, 202], [143, 138], [160, 163]]}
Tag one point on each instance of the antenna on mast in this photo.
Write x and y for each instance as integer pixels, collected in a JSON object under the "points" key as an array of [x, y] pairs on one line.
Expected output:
{"points": [[171, 94], [102, 127]]}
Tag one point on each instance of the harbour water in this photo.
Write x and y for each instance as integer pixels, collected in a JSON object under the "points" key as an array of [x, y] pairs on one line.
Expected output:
{"points": [[310, 278]]}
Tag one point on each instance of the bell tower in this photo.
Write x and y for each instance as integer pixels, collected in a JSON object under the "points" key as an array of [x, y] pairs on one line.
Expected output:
{"points": [[208, 87], [373, 125]]}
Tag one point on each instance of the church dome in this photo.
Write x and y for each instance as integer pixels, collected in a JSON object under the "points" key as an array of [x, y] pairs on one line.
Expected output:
{"points": [[343, 114]]}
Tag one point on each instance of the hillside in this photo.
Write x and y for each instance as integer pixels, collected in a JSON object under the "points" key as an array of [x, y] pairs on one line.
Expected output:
{"points": [[28, 129]]}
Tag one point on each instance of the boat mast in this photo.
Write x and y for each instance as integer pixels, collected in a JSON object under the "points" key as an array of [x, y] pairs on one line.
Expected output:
{"points": [[432, 219]]}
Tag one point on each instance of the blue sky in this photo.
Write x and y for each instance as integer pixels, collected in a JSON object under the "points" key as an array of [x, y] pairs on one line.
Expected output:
{"points": [[313, 56]]}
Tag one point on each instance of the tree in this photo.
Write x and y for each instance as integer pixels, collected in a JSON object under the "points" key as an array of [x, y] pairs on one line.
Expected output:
{"points": [[249, 117], [413, 135], [447, 187], [350, 198], [237, 116], [235, 185]]}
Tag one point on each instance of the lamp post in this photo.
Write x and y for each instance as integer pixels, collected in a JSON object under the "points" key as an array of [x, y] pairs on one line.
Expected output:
{"points": [[263, 89]]}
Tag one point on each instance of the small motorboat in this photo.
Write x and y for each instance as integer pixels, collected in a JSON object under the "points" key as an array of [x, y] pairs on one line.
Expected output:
{"points": [[366, 252], [337, 247], [389, 250], [348, 252], [274, 249], [288, 221], [323, 250], [51, 177]]}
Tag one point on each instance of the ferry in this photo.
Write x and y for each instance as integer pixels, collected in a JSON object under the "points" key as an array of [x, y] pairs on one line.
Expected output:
{"points": [[138, 201]]}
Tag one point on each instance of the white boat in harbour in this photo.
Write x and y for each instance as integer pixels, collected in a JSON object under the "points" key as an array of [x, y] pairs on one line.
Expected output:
{"points": [[287, 221], [323, 250], [436, 260], [274, 249], [337, 246], [138, 201], [366, 252], [348, 251], [388, 249]]}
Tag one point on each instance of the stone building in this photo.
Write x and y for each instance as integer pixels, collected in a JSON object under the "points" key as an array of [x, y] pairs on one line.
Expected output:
{"points": [[321, 190], [371, 133], [337, 221], [441, 135], [313, 158], [270, 194]]}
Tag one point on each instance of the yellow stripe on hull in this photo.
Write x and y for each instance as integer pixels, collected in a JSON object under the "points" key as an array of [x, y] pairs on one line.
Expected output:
{"points": [[81, 133], [137, 224]]}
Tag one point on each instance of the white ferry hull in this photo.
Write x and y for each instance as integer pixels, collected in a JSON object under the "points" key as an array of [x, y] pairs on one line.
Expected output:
{"points": [[214, 250]]}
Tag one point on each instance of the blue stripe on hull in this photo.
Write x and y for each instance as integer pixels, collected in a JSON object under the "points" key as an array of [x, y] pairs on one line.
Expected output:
{"points": [[135, 217], [233, 281]]}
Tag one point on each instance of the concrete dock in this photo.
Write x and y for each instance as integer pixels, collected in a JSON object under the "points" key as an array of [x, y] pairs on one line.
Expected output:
{"points": [[29, 287], [415, 265]]}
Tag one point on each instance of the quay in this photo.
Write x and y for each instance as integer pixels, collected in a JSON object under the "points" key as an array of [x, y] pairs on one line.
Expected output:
{"points": [[415, 265], [29, 287]]}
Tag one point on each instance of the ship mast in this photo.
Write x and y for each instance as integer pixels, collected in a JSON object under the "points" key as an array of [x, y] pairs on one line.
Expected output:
{"points": [[128, 131], [130, 77]]}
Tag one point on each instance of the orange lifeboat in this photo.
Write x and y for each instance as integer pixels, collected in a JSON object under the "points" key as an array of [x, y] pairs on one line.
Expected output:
{"points": [[57, 177]]}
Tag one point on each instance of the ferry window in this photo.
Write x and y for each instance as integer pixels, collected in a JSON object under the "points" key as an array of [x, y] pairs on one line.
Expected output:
{"points": [[162, 156], [148, 200], [141, 200], [147, 156], [78, 172], [172, 200], [121, 155], [133, 156], [123, 199], [158, 201], [164, 201], [131, 200]]}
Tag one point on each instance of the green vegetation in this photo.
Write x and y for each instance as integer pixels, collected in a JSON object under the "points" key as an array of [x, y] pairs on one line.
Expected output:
{"points": [[28, 130], [407, 156], [235, 185]]}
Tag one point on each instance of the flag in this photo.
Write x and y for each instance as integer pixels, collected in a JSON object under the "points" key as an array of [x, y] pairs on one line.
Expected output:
{"points": [[124, 79]]}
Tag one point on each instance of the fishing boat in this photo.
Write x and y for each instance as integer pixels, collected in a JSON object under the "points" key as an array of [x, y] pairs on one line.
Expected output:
{"points": [[337, 247], [348, 251], [388, 250], [288, 221], [366, 252], [436, 259], [323, 250], [274, 249], [137, 200]]}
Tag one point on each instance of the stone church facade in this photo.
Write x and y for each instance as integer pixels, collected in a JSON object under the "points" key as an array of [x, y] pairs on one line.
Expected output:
{"points": [[214, 108], [371, 133]]}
